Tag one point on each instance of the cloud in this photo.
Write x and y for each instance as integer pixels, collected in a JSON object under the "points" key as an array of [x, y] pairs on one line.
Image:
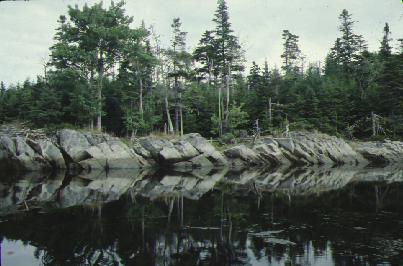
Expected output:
{"points": [[27, 28]]}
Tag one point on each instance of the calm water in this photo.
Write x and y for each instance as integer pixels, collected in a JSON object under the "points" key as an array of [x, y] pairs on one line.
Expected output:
{"points": [[310, 216]]}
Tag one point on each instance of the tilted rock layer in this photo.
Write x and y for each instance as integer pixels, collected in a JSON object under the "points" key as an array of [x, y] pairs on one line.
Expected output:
{"points": [[72, 149]]}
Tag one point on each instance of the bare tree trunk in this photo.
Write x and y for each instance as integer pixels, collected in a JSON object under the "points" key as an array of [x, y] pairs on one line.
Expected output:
{"points": [[170, 126], [99, 96], [99, 93], [227, 81], [141, 97], [219, 111], [270, 113], [180, 114], [176, 87]]}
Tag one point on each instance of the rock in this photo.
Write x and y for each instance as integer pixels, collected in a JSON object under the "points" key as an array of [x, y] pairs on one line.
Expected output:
{"points": [[206, 148], [27, 158], [272, 153], [74, 144], [141, 151], [380, 153], [154, 145], [181, 151], [7, 147], [48, 151], [186, 149], [170, 155], [201, 161], [241, 154], [336, 149], [286, 143], [112, 155]]}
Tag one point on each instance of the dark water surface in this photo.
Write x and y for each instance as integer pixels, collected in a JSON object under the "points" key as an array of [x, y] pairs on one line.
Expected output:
{"points": [[312, 216]]}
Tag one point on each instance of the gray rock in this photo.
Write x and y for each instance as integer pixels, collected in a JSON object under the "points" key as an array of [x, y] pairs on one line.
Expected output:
{"points": [[271, 152], [170, 155], [96, 138], [154, 145], [27, 158], [48, 151], [186, 149], [7, 147], [179, 152], [141, 151], [74, 144], [241, 154], [380, 152], [201, 161], [7, 152], [286, 143], [112, 155], [206, 148]]}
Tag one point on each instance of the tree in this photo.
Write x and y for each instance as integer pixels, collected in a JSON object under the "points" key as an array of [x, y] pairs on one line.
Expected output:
{"points": [[291, 54], [90, 42], [135, 70], [348, 46], [385, 50], [204, 55], [229, 56], [181, 61], [254, 78], [2, 101]]}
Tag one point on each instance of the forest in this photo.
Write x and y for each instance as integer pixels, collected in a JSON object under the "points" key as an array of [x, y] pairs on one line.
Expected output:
{"points": [[107, 75]]}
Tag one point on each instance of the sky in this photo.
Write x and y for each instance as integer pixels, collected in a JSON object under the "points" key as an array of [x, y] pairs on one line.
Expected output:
{"points": [[27, 27]]}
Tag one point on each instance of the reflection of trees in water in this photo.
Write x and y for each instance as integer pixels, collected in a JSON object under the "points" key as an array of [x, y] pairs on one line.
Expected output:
{"points": [[214, 230]]}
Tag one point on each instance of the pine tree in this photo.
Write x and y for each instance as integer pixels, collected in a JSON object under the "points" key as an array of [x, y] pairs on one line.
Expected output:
{"points": [[291, 54], [204, 54], [349, 45], [229, 56], [385, 50], [2, 101], [254, 78]]}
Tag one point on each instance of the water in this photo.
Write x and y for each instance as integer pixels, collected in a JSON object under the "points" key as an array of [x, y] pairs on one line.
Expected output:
{"points": [[311, 216]]}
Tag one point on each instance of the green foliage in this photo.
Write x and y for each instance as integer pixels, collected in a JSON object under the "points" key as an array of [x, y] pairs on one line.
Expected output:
{"points": [[100, 65]]}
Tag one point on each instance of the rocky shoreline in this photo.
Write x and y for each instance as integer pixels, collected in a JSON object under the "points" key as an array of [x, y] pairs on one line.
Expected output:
{"points": [[84, 151]]}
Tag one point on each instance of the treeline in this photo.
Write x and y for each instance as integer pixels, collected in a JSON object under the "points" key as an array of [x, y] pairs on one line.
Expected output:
{"points": [[103, 73]]}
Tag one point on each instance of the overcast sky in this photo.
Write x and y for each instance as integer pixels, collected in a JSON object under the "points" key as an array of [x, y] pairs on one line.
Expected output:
{"points": [[27, 28]]}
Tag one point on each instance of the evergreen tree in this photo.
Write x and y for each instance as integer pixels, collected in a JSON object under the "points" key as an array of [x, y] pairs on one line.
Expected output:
{"points": [[348, 46], [385, 50], [181, 62], [205, 55], [254, 78], [291, 54], [2, 101], [229, 57]]}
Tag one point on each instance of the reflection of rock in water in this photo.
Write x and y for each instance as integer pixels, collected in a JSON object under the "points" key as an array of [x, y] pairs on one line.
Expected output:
{"points": [[388, 174], [190, 185], [60, 191]]}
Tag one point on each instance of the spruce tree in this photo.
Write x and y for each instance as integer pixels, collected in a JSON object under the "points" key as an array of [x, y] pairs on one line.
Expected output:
{"points": [[291, 54], [385, 50], [229, 56]]}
